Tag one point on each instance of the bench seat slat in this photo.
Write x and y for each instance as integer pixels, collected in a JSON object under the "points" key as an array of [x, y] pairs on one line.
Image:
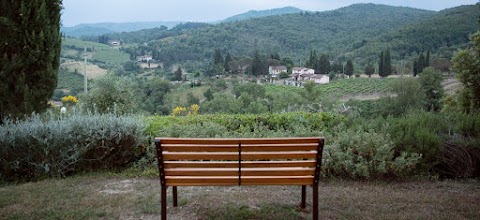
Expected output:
{"points": [[234, 148], [277, 180], [223, 141], [234, 164], [201, 164], [201, 181], [199, 148], [200, 155], [278, 155], [271, 171]]}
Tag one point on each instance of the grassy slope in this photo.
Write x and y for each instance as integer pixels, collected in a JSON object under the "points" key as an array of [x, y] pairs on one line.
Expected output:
{"points": [[107, 196], [102, 53]]}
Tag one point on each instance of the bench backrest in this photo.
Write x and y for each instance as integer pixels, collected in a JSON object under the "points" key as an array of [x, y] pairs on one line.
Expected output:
{"points": [[245, 161]]}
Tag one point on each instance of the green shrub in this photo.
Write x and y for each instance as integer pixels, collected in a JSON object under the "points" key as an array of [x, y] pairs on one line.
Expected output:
{"points": [[56, 147], [366, 154]]}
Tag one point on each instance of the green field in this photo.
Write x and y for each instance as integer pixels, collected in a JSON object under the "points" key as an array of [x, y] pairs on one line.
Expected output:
{"points": [[98, 53]]}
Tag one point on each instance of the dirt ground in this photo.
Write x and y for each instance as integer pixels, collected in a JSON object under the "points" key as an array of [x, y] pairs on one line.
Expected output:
{"points": [[338, 199], [115, 197]]}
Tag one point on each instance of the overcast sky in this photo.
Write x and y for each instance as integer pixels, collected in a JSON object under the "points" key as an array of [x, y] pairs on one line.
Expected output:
{"points": [[95, 11]]}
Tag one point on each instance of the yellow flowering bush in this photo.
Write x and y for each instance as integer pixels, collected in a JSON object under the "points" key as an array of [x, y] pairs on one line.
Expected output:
{"points": [[69, 100], [182, 111], [194, 109]]}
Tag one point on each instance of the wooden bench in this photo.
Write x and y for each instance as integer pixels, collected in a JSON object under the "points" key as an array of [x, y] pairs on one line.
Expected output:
{"points": [[246, 161]]}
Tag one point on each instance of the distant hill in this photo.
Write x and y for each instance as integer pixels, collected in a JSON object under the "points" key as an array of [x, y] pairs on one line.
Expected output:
{"points": [[97, 29], [335, 33], [263, 13], [357, 32]]}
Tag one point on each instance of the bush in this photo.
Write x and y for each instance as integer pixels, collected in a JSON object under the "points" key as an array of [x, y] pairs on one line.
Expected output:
{"points": [[48, 146], [366, 154]]}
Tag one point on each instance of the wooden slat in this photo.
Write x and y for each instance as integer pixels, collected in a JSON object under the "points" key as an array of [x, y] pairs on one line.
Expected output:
{"points": [[199, 148], [199, 156], [278, 155], [277, 180], [278, 171], [219, 141], [201, 172], [294, 163], [201, 181], [296, 140], [200, 164], [203, 141], [279, 147]]}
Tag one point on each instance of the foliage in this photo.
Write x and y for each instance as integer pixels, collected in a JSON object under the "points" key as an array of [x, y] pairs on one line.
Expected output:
{"points": [[367, 154], [111, 94], [69, 100], [467, 65], [29, 55], [409, 97], [431, 81], [46, 145], [183, 111]]}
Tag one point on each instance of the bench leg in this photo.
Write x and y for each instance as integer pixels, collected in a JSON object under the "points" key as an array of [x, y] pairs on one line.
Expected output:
{"points": [[304, 192], [175, 200], [164, 202], [315, 202]]}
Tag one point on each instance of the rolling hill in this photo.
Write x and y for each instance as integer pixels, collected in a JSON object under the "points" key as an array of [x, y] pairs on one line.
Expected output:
{"points": [[263, 13], [357, 32], [97, 29]]}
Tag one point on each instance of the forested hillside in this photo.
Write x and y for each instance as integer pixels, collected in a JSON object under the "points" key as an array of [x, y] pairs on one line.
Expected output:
{"points": [[263, 13], [358, 32]]}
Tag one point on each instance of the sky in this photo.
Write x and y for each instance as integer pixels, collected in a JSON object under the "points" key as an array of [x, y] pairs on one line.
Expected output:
{"points": [[96, 11]]}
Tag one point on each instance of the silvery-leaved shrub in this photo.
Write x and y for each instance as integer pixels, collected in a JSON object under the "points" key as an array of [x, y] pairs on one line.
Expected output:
{"points": [[58, 146], [366, 154]]}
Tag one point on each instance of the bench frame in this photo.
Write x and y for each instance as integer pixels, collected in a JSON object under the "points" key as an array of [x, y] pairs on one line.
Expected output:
{"points": [[163, 181]]}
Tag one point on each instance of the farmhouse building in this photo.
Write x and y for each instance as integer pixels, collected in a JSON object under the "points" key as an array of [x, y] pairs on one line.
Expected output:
{"points": [[274, 71], [302, 74]]}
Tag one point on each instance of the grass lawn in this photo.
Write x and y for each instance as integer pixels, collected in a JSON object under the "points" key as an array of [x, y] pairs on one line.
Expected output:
{"points": [[108, 196]]}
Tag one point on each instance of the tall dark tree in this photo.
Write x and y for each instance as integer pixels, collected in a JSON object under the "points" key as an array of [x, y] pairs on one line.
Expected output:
{"points": [[30, 43], [421, 63], [381, 65], [257, 64], [178, 74], [323, 64], [387, 63], [312, 60], [349, 68]]}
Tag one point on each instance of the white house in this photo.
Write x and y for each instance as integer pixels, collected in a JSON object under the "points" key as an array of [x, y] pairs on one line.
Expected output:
{"points": [[144, 58], [302, 70], [275, 70], [302, 74], [320, 79]]}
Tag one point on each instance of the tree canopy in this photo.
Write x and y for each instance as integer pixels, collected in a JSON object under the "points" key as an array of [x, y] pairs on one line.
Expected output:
{"points": [[29, 55]]}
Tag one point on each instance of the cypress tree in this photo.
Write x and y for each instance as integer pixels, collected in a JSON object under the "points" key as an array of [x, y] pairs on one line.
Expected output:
{"points": [[381, 67], [324, 64], [349, 68], [387, 63], [30, 43], [421, 63]]}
